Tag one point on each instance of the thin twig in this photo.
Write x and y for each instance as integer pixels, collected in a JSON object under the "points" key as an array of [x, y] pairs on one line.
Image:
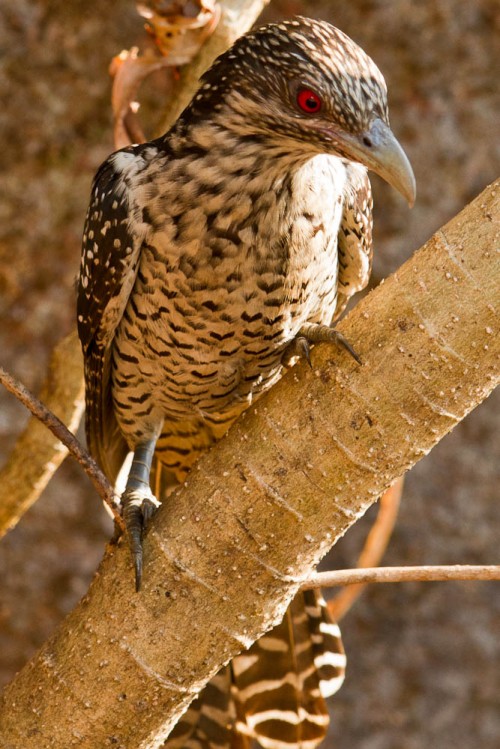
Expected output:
{"points": [[56, 426], [373, 549], [432, 573]]}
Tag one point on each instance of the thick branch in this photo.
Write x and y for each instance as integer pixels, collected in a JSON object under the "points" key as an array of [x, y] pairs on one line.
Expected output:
{"points": [[38, 454], [226, 554]]}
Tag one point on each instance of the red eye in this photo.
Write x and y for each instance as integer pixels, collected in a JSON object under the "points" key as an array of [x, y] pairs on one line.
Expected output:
{"points": [[308, 101]]}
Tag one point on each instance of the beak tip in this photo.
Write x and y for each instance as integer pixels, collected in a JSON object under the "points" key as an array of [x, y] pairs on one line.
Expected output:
{"points": [[404, 181], [411, 192]]}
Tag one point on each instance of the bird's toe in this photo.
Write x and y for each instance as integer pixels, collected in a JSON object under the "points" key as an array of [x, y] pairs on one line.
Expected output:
{"points": [[139, 506], [298, 348]]}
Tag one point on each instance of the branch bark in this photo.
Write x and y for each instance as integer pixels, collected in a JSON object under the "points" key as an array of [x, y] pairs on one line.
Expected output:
{"points": [[227, 553]]}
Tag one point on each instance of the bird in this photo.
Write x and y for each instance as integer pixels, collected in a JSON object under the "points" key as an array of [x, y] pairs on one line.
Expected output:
{"points": [[215, 255]]}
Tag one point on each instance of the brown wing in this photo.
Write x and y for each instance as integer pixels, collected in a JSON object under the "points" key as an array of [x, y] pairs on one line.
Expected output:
{"points": [[110, 257]]}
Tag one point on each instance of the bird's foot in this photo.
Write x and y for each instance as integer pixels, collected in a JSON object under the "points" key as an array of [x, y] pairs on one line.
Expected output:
{"points": [[298, 348], [139, 506], [315, 333]]}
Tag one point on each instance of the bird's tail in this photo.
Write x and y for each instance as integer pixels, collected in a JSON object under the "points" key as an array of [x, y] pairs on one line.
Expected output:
{"points": [[274, 692]]}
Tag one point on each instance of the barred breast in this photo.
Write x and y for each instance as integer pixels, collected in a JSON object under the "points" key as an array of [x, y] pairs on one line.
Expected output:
{"points": [[221, 290]]}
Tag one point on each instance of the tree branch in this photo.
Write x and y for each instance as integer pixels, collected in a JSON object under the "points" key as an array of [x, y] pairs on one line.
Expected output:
{"points": [[373, 549], [37, 455], [237, 17], [226, 554], [431, 573]]}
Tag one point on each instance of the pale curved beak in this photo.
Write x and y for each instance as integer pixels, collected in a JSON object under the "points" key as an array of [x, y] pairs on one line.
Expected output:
{"points": [[378, 150]]}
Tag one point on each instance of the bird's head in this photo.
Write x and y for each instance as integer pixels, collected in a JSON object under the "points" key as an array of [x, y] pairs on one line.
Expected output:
{"points": [[306, 86]]}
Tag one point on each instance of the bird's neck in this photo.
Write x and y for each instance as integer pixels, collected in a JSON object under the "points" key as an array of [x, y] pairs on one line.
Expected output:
{"points": [[231, 146]]}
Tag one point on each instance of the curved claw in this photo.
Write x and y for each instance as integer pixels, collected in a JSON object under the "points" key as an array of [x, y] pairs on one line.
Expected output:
{"points": [[315, 333], [139, 506], [149, 507], [340, 340]]}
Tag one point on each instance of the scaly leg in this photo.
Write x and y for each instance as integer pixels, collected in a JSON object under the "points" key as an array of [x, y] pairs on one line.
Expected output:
{"points": [[139, 502]]}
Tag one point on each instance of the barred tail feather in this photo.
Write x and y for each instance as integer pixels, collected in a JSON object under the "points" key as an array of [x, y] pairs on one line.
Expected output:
{"points": [[326, 639], [274, 692], [282, 681], [210, 720]]}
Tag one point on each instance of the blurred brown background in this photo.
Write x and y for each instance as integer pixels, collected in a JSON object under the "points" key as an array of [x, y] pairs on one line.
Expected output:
{"points": [[424, 660]]}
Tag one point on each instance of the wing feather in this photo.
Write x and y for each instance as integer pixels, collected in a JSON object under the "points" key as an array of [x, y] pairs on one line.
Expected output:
{"points": [[111, 248]]}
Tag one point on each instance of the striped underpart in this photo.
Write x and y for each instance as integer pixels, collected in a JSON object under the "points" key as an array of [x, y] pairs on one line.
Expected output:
{"points": [[275, 692]]}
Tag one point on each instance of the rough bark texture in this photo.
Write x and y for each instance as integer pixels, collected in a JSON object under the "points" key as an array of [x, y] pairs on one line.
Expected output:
{"points": [[422, 658], [230, 549]]}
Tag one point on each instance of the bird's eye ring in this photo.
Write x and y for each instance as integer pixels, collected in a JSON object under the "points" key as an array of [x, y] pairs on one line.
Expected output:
{"points": [[308, 101]]}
